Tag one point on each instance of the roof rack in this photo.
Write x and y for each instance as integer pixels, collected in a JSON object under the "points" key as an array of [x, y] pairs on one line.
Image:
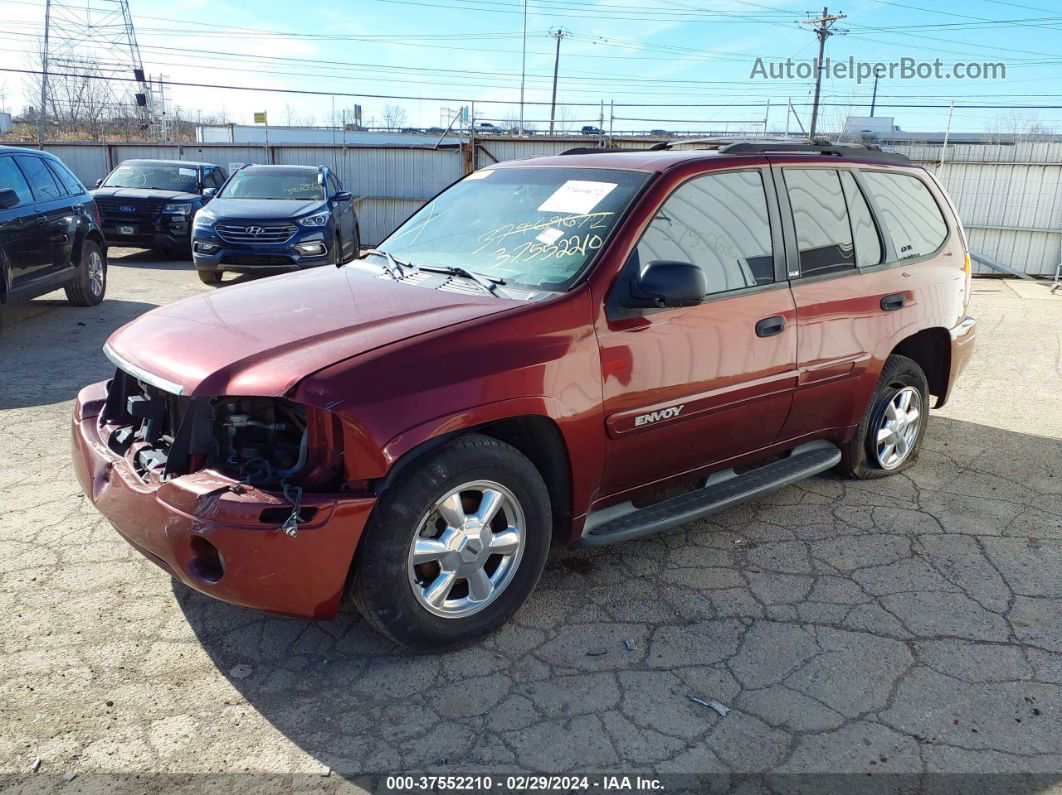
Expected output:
{"points": [[812, 146]]}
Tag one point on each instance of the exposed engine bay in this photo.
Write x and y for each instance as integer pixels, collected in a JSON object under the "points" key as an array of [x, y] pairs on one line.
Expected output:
{"points": [[263, 442]]}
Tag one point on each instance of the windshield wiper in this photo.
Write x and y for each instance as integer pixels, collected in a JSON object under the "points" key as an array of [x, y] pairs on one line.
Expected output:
{"points": [[488, 283], [395, 266]]}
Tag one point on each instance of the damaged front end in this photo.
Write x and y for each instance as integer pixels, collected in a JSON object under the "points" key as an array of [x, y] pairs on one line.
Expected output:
{"points": [[244, 498]]}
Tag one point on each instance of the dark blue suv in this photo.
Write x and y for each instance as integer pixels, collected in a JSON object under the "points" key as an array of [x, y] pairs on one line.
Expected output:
{"points": [[274, 218]]}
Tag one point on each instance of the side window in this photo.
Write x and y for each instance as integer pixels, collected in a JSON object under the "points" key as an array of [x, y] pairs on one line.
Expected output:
{"points": [[66, 179], [909, 213], [12, 179], [864, 230], [333, 184], [218, 177], [824, 235], [40, 178], [718, 222]]}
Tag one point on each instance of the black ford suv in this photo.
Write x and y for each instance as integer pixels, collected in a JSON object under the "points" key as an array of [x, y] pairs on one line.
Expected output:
{"points": [[151, 203], [275, 218], [49, 231]]}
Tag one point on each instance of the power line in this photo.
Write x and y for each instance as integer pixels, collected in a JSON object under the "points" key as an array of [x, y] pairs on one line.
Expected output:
{"points": [[823, 29]]}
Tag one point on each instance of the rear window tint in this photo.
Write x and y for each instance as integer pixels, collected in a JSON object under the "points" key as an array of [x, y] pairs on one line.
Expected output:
{"points": [[909, 213], [11, 178], [70, 182]]}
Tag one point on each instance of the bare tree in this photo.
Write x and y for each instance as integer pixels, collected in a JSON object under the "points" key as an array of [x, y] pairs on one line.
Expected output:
{"points": [[1014, 126], [394, 116]]}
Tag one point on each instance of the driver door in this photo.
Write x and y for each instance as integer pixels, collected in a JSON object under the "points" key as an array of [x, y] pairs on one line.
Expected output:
{"points": [[693, 386]]}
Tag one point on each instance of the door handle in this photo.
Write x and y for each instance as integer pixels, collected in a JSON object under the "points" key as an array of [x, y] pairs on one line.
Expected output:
{"points": [[41, 218], [770, 326], [890, 303]]}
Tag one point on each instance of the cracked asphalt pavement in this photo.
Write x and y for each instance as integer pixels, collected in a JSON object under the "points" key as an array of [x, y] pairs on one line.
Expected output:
{"points": [[911, 624]]}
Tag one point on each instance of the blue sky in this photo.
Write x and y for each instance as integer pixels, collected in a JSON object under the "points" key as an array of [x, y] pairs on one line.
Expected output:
{"points": [[686, 63]]}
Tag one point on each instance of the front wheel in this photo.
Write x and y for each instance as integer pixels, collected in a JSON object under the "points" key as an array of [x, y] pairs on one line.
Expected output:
{"points": [[212, 278], [455, 546], [88, 287], [890, 434]]}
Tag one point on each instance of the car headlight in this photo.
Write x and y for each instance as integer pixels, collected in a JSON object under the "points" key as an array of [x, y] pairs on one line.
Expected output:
{"points": [[320, 219], [204, 218], [178, 208]]}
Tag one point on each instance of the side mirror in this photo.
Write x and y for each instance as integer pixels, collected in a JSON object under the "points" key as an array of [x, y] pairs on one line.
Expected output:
{"points": [[665, 283], [99, 183], [8, 199], [342, 196], [209, 193]]}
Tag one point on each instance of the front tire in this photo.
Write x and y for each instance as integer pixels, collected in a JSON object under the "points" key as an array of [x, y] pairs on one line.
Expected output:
{"points": [[889, 436], [211, 278], [89, 286], [455, 546]]}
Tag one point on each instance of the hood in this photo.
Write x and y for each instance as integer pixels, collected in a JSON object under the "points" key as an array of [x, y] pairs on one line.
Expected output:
{"points": [[143, 193], [264, 337], [262, 209]]}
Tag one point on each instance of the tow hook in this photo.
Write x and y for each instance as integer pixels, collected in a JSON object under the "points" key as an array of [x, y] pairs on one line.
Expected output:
{"points": [[291, 524]]}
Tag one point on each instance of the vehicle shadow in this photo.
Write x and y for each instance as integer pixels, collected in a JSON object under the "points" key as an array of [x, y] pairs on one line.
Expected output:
{"points": [[49, 350], [146, 259], [362, 706]]}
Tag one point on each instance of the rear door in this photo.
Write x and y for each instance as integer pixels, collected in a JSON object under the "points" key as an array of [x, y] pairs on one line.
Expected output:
{"points": [[840, 316], [22, 238], [692, 386], [55, 213]]}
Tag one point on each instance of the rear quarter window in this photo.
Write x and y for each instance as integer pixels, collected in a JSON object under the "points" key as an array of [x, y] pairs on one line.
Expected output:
{"points": [[908, 212]]}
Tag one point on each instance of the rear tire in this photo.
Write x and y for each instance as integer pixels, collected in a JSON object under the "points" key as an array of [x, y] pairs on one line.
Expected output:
{"points": [[472, 575], [889, 437], [211, 278], [89, 285]]}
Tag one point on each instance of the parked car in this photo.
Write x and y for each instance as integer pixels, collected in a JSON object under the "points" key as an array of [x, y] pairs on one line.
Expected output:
{"points": [[275, 218], [150, 203], [659, 132], [590, 129], [50, 233], [590, 347], [486, 127]]}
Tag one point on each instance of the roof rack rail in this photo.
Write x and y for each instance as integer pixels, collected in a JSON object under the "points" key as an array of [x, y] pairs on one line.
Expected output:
{"points": [[817, 147], [595, 150]]}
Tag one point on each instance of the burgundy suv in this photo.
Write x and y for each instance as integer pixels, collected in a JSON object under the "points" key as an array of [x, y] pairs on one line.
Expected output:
{"points": [[592, 347]]}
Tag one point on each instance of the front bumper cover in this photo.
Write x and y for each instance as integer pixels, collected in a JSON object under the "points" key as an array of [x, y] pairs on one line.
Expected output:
{"points": [[167, 522]]}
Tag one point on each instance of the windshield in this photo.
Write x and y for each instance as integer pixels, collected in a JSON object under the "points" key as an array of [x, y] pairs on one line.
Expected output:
{"points": [[155, 176], [537, 227], [299, 185]]}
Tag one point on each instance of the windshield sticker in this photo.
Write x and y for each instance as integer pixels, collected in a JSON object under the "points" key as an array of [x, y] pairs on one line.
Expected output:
{"points": [[479, 174], [549, 237], [186, 172], [577, 196]]}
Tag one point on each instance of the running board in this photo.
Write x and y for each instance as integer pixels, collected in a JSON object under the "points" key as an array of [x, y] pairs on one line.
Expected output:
{"points": [[720, 491]]}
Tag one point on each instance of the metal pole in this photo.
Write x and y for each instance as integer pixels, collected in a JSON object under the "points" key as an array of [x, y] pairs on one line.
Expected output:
{"points": [[523, 70], [558, 35], [41, 112], [821, 33], [947, 132], [766, 116], [874, 96]]}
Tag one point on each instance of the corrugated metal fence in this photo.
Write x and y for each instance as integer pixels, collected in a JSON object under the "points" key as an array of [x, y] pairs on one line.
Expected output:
{"points": [[1009, 195]]}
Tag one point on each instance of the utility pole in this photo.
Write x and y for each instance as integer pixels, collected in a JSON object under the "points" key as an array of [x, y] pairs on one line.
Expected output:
{"points": [[558, 34], [523, 71], [823, 29], [874, 96], [41, 112]]}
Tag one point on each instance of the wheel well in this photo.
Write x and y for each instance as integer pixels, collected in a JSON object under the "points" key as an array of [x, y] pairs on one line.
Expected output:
{"points": [[931, 348], [541, 441], [95, 236]]}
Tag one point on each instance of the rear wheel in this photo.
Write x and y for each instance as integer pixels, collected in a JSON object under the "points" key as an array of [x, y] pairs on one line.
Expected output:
{"points": [[455, 546], [213, 278], [890, 434], [89, 285]]}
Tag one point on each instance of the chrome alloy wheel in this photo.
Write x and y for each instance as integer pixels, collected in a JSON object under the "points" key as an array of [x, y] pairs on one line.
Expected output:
{"points": [[899, 427], [466, 549], [95, 272]]}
